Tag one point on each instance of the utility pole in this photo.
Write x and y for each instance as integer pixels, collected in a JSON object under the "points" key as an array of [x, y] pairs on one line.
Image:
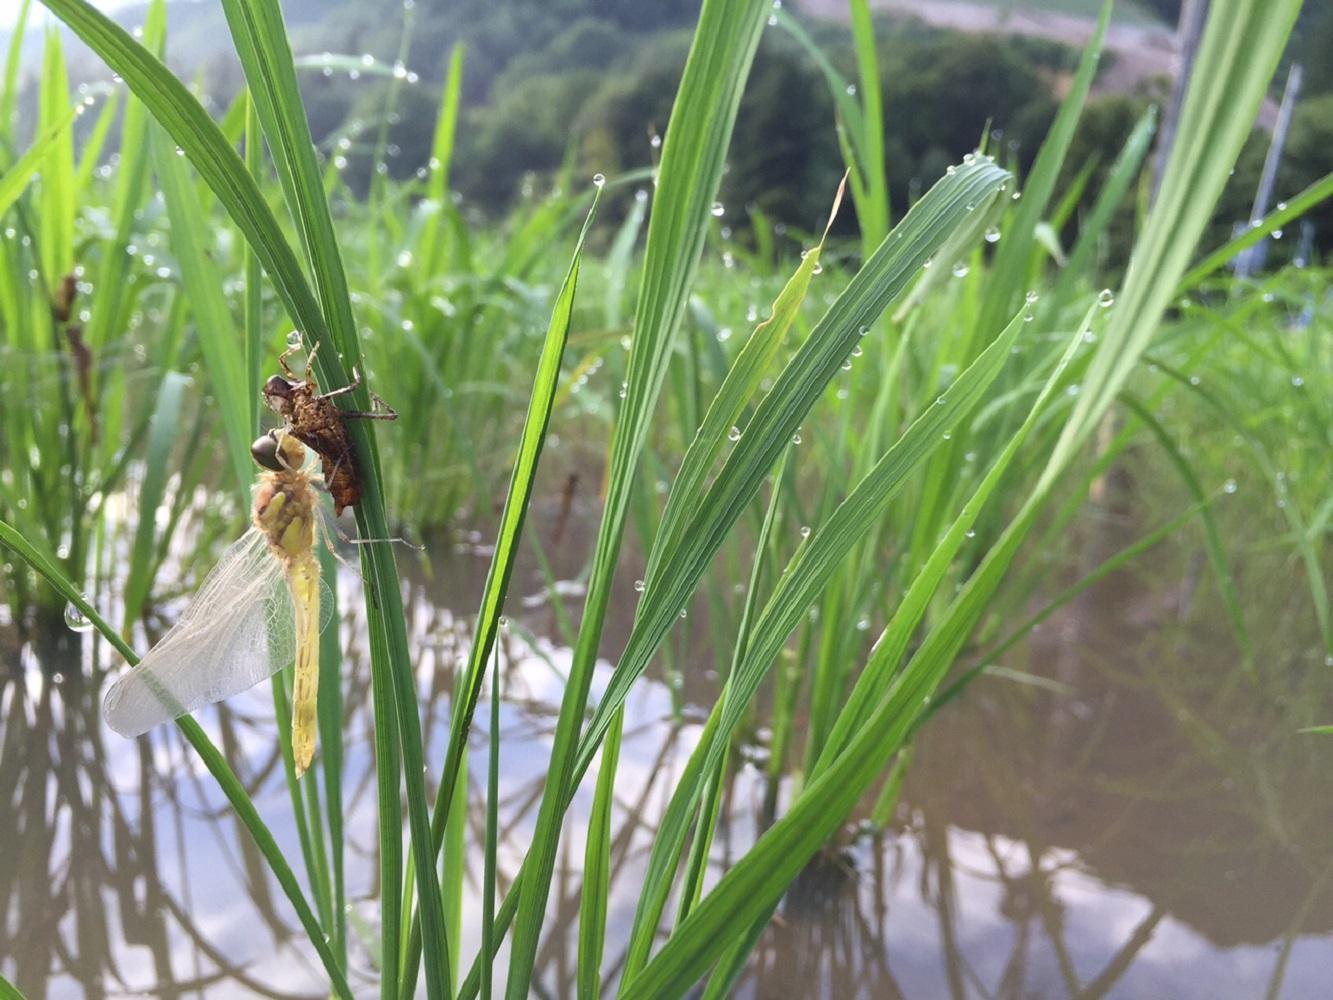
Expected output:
{"points": [[1252, 259], [1189, 30]]}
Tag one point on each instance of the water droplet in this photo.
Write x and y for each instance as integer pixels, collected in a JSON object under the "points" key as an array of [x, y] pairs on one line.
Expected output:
{"points": [[856, 351], [928, 262], [655, 141], [948, 435], [734, 434], [970, 533], [503, 622], [992, 235], [683, 612], [1106, 298], [960, 269], [1028, 316], [1194, 380], [1277, 234], [718, 209], [863, 331], [1073, 390], [639, 585], [1229, 486], [851, 90], [805, 531], [598, 180], [76, 619], [847, 365], [939, 400], [950, 170], [1030, 298], [796, 438]]}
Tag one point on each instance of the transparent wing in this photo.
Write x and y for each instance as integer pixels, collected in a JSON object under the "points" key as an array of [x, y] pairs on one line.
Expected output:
{"points": [[238, 630]]}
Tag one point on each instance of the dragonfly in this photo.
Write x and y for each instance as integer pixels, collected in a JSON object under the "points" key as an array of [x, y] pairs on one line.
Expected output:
{"points": [[316, 421], [259, 608]]}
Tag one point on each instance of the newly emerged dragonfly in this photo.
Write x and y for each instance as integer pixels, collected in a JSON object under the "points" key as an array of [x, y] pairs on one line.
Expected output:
{"points": [[314, 419], [259, 607]]}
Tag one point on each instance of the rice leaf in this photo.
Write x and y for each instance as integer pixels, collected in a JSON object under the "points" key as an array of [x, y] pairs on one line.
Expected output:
{"points": [[693, 154]]}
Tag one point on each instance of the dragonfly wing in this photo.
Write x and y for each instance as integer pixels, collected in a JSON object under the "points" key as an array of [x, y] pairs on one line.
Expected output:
{"points": [[236, 631]]}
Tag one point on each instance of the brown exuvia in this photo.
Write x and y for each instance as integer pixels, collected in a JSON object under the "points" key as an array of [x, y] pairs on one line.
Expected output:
{"points": [[314, 420]]}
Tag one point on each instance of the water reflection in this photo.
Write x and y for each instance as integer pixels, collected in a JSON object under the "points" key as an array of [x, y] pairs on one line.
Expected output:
{"points": [[1156, 828]]}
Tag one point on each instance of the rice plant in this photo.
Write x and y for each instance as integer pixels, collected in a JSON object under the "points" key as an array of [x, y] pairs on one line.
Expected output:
{"points": [[848, 483]]}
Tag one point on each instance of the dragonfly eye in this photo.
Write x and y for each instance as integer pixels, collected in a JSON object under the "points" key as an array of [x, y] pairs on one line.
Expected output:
{"points": [[265, 453], [278, 452], [277, 392]]}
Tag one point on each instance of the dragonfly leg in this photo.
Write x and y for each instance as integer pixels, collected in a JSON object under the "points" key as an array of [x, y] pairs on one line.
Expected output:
{"points": [[282, 361], [356, 381], [381, 410]]}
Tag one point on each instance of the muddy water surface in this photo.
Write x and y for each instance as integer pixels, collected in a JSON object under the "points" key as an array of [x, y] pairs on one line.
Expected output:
{"points": [[1147, 823]]}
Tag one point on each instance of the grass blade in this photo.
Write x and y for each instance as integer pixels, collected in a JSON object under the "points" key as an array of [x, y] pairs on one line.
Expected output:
{"points": [[749, 890], [10, 92], [1009, 272], [163, 431], [57, 195], [531, 442], [266, 57], [1315, 194], [220, 341], [693, 154], [872, 211], [15, 180], [958, 202]]}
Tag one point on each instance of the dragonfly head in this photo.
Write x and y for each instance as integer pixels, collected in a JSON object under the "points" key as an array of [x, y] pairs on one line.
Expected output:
{"points": [[277, 452], [278, 393]]}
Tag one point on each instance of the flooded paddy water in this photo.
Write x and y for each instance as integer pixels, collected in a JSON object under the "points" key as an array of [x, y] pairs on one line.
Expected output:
{"points": [[1145, 822]]}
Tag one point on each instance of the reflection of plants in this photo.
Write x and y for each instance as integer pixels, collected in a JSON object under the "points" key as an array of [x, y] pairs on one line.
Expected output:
{"points": [[100, 880], [1213, 810], [936, 456]]}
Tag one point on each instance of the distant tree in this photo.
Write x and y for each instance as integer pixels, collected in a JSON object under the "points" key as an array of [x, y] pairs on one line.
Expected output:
{"points": [[1313, 47], [587, 44], [526, 130], [633, 104], [940, 95], [784, 155]]}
